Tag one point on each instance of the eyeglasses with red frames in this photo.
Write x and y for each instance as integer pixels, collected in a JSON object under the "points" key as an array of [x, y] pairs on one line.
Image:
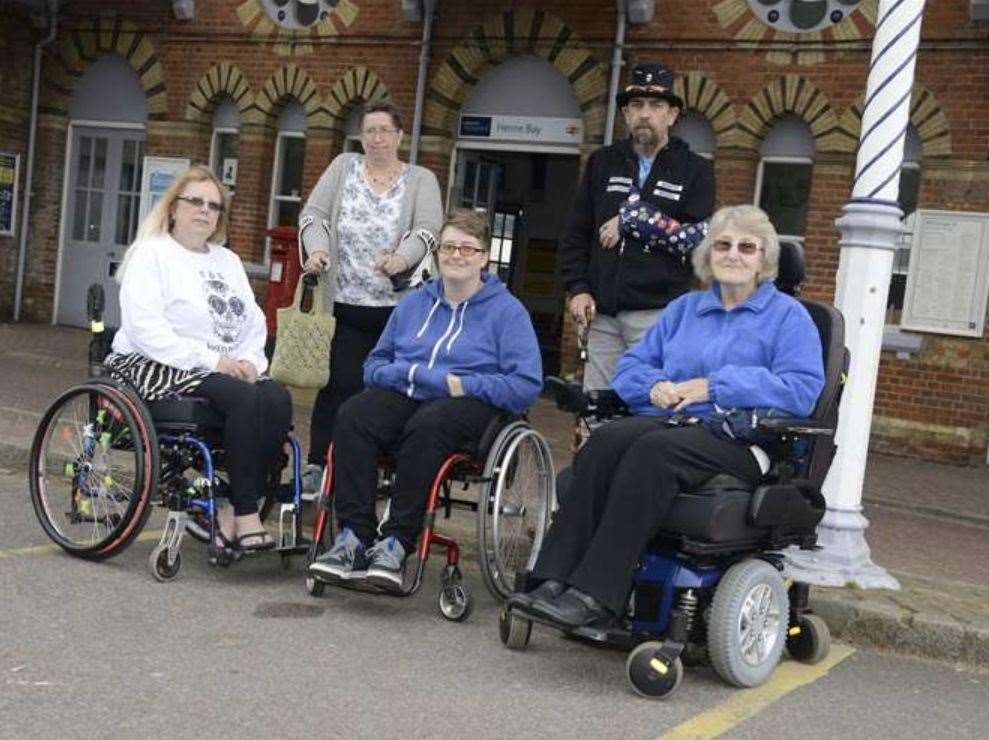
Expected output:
{"points": [[198, 203], [464, 250], [746, 248]]}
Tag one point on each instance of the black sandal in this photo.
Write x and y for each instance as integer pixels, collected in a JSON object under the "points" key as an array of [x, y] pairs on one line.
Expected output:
{"points": [[267, 541]]}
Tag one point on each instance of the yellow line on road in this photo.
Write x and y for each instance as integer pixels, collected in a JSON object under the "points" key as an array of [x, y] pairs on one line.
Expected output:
{"points": [[746, 703], [46, 549]]}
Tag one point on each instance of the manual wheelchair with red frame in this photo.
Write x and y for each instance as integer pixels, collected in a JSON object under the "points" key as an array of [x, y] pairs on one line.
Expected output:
{"points": [[511, 468]]}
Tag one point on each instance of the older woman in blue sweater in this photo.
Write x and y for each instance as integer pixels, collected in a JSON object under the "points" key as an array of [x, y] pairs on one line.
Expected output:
{"points": [[741, 344], [453, 355]]}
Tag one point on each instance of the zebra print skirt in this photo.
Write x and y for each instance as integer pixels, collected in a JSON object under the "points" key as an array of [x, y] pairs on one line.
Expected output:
{"points": [[152, 380]]}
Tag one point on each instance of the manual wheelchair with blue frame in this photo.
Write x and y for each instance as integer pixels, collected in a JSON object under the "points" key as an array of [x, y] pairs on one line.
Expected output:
{"points": [[712, 579], [102, 457]]}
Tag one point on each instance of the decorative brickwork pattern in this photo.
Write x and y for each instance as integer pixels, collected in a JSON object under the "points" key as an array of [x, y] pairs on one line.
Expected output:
{"points": [[80, 47], [797, 95]]}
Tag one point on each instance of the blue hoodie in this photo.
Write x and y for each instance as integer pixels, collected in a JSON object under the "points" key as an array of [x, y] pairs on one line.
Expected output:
{"points": [[487, 341], [764, 353]]}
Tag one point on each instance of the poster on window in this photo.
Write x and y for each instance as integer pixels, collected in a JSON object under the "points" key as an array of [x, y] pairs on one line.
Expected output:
{"points": [[9, 165], [228, 172], [948, 278], [158, 175]]}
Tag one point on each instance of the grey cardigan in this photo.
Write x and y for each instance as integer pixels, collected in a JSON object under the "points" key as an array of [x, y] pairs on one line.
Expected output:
{"points": [[419, 220]]}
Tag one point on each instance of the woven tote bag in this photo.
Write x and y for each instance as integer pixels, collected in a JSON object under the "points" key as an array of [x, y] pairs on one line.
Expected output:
{"points": [[302, 343]]}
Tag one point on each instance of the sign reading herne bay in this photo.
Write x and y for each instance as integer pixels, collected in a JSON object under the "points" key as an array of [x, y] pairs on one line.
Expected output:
{"points": [[539, 129]]}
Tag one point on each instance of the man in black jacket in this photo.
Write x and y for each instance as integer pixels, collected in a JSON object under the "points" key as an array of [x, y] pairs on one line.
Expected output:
{"points": [[617, 280]]}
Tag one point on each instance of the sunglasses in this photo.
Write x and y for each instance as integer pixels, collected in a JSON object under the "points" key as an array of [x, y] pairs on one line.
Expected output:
{"points": [[746, 248], [197, 203], [464, 250]]}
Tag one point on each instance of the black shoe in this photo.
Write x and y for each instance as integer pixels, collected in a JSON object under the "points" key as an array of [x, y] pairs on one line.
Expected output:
{"points": [[572, 609], [548, 590]]}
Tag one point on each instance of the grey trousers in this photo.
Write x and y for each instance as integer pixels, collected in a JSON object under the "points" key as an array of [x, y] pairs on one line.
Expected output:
{"points": [[608, 338]]}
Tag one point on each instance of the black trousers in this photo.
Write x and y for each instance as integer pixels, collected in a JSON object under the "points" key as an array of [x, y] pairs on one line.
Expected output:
{"points": [[358, 330], [624, 481], [257, 418], [418, 434]]}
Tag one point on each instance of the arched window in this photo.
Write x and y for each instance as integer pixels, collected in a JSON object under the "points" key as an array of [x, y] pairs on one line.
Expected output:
{"points": [[783, 179], [286, 176], [694, 128], [352, 129], [909, 195], [223, 146]]}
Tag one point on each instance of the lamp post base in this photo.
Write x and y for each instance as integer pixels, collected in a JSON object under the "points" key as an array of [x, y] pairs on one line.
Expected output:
{"points": [[844, 558]]}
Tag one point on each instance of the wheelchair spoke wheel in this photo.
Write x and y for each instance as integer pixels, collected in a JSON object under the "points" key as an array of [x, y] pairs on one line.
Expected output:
{"points": [[514, 512], [92, 471]]}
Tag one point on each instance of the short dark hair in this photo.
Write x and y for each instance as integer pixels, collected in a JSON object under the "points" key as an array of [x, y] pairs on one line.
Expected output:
{"points": [[382, 106], [472, 223]]}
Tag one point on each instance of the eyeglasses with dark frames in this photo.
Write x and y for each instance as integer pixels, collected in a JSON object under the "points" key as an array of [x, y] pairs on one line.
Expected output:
{"points": [[198, 203], [464, 250]]}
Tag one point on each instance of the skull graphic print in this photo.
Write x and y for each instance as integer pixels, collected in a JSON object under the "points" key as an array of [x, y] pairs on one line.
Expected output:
{"points": [[226, 309]]}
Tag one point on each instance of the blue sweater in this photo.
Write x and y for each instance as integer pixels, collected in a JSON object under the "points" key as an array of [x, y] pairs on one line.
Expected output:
{"points": [[764, 353], [487, 341]]}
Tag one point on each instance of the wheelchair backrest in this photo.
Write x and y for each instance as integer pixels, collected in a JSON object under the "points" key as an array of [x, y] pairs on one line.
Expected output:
{"points": [[791, 268], [831, 327]]}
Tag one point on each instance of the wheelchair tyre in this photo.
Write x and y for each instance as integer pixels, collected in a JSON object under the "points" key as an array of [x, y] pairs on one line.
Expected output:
{"points": [[747, 629], [314, 586], [514, 511], [93, 467], [514, 630], [813, 643], [455, 602], [652, 672], [160, 568]]}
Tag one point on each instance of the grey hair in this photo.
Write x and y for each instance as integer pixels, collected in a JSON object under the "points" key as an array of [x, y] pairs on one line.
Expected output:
{"points": [[751, 219]]}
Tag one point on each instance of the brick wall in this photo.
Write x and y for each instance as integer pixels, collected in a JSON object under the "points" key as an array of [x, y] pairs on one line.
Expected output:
{"points": [[930, 404], [17, 39]]}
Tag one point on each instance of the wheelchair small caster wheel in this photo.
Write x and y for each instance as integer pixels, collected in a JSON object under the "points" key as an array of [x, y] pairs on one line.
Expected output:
{"points": [[514, 630], [314, 586], [652, 672], [809, 640], [160, 568], [455, 602]]}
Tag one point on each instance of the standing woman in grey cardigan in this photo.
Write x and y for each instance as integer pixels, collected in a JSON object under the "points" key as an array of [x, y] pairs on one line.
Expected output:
{"points": [[370, 219]]}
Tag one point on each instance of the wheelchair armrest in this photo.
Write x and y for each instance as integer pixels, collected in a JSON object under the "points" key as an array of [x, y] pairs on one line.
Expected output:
{"points": [[794, 425], [568, 394]]}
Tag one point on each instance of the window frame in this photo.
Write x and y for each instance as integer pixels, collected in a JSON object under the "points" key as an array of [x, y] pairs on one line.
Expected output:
{"points": [[276, 181], [759, 179], [214, 152]]}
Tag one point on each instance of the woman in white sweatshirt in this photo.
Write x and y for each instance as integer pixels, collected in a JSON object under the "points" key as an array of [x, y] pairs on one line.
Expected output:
{"points": [[190, 326]]}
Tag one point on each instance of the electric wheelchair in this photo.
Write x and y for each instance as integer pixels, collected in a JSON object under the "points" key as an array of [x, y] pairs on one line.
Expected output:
{"points": [[511, 468], [711, 584], [102, 457]]}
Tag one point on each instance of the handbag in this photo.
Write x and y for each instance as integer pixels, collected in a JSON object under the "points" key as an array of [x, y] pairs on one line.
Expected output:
{"points": [[302, 342]]}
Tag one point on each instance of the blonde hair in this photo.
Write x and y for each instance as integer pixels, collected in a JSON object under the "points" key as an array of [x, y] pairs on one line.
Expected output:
{"points": [[751, 219], [159, 219]]}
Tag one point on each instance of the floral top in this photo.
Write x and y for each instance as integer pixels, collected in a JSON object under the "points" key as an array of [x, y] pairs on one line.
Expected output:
{"points": [[366, 228]]}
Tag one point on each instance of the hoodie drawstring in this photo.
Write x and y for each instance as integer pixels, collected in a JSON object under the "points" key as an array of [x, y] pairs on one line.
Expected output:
{"points": [[429, 317]]}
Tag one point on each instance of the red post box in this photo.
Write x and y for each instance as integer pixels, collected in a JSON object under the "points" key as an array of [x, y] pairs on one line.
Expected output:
{"points": [[283, 275]]}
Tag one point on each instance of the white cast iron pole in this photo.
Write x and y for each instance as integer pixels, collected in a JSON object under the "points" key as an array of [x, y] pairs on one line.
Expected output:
{"points": [[870, 230]]}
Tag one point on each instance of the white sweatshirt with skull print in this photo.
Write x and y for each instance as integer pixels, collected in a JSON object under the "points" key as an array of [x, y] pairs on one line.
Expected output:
{"points": [[187, 309]]}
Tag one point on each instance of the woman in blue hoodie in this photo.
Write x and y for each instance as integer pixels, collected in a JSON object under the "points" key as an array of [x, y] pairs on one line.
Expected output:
{"points": [[452, 356], [723, 357]]}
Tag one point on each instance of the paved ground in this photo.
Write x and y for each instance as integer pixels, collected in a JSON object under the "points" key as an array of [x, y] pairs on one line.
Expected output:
{"points": [[929, 522], [101, 649]]}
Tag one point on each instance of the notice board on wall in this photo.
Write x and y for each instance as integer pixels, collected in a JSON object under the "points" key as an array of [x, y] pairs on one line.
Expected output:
{"points": [[948, 280], [9, 171]]}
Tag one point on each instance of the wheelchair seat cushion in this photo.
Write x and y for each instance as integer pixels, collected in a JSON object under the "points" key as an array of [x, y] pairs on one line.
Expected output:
{"points": [[185, 414]]}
